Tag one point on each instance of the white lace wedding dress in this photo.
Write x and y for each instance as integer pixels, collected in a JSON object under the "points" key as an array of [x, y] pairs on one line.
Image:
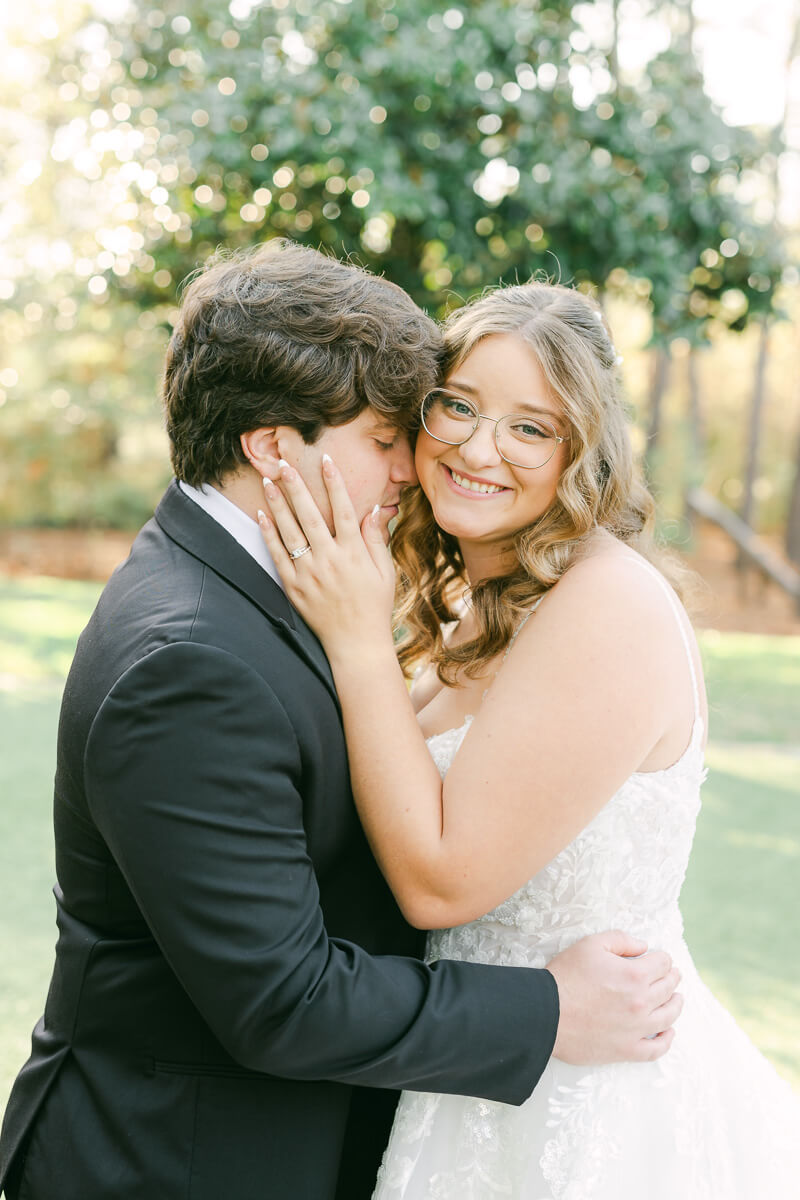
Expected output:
{"points": [[709, 1121]]}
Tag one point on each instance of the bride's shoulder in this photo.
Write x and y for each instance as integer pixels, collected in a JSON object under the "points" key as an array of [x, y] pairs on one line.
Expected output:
{"points": [[612, 583]]}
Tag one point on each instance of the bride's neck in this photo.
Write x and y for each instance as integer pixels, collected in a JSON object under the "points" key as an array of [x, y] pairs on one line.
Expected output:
{"points": [[486, 562]]}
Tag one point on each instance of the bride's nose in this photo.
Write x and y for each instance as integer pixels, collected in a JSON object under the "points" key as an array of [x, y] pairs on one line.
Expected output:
{"points": [[481, 449]]}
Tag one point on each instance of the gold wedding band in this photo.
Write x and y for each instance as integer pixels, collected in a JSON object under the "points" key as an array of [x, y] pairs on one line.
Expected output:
{"points": [[299, 553]]}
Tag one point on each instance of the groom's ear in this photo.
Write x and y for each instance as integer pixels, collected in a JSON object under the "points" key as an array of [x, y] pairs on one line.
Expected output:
{"points": [[260, 447]]}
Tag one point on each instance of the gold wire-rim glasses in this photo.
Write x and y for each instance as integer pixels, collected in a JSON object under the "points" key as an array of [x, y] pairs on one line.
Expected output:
{"points": [[478, 416]]}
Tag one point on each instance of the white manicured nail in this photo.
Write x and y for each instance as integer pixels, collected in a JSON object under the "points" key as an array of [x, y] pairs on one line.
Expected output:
{"points": [[282, 462]]}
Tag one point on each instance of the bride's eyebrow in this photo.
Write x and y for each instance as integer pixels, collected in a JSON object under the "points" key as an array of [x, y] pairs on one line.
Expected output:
{"points": [[524, 407]]}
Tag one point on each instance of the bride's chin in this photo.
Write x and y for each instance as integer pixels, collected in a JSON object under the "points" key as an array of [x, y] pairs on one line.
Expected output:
{"points": [[459, 525], [462, 530], [444, 520]]}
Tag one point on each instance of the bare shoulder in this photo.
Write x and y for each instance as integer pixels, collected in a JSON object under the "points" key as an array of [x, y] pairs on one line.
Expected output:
{"points": [[615, 589], [615, 572]]}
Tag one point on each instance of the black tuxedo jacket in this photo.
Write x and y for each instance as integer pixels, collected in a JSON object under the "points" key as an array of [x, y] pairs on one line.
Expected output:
{"points": [[230, 961]]}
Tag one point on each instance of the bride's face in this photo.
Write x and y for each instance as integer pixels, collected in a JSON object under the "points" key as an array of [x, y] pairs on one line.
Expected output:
{"points": [[501, 376]]}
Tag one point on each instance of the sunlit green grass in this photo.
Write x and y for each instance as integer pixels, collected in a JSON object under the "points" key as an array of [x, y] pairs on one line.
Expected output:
{"points": [[741, 894], [28, 720], [40, 620], [742, 891], [753, 683]]}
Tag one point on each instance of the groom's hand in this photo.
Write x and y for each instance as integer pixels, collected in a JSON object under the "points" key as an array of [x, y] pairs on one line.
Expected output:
{"points": [[618, 1003]]}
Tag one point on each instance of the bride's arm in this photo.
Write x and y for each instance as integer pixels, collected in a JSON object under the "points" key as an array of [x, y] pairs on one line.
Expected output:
{"points": [[345, 590], [572, 714]]}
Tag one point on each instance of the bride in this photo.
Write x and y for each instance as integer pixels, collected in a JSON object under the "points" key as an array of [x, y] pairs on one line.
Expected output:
{"points": [[542, 781]]}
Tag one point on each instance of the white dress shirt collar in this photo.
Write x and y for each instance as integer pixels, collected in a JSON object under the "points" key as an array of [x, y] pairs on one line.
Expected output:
{"points": [[237, 523]]}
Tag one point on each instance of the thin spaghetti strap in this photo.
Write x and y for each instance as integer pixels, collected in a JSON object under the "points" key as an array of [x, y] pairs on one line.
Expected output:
{"points": [[521, 625], [684, 636], [514, 637]]}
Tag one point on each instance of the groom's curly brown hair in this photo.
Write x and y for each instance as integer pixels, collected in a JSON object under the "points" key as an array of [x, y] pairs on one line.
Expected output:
{"points": [[286, 335]]}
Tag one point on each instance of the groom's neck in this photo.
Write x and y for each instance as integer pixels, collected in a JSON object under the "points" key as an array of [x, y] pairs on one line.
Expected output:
{"points": [[244, 488]]}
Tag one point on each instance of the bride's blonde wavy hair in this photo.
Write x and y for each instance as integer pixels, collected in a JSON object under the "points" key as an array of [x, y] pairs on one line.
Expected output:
{"points": [[599, 486]]}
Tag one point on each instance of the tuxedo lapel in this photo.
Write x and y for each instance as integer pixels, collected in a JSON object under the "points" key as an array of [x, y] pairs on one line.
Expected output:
{"points": [[314, 648], [204, 538]]}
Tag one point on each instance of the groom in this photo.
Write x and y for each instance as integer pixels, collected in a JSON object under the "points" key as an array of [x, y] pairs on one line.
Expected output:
{"points": [[230, 963]]}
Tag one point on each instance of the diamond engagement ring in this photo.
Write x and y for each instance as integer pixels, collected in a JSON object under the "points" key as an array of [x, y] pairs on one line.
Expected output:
{"points": [[299, 553]]}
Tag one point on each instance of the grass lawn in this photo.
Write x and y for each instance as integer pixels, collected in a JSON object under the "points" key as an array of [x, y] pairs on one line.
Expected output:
{"points": [[39, 623], [741, 894]]}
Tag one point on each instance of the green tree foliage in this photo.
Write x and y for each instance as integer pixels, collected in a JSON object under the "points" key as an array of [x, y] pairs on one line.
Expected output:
{"points": [[449, 149]]}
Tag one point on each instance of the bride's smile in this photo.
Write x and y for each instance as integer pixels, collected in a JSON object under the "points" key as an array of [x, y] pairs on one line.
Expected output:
{"points": [[471, 485]]}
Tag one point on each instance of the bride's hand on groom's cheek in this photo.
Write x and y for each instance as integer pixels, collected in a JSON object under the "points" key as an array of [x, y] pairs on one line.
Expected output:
{"points": [[340, 578]]}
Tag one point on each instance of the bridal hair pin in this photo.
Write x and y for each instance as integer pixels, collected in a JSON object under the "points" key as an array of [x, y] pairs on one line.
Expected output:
{"points": [[618, 359]]}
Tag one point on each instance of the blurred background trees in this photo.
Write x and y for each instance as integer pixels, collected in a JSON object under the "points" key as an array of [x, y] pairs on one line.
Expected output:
{"points": [[449, 148]]}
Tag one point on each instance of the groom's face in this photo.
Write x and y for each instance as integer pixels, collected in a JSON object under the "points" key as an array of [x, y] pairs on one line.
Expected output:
{"points": [[374, 458]]}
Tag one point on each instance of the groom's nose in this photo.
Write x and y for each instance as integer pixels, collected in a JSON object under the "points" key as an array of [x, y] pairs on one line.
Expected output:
{"points": [[403, 470]]}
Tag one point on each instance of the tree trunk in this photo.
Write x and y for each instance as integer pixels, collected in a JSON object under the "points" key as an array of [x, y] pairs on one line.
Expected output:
{"points": [[661, 363], [697, 430], [793, 516], [754, 432], [793, 521], [613, 54], [754, 426]]}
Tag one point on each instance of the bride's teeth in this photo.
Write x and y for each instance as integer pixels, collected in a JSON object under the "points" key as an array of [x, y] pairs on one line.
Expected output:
{"points": [[472, 485]]}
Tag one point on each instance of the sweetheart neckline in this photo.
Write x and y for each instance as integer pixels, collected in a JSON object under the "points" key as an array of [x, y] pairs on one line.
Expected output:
{"points": [[697, 727]]}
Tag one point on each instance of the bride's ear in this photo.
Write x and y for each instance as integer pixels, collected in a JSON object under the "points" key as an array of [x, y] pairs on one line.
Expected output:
{"points": [[260, 448]]}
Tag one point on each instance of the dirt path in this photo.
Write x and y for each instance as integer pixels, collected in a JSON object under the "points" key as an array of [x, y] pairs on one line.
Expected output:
{"points": [[726, 601], [731, 600], [64, 553]]}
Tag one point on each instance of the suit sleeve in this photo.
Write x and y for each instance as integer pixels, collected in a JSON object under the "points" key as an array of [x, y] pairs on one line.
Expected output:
{"points": [[194, 778]]}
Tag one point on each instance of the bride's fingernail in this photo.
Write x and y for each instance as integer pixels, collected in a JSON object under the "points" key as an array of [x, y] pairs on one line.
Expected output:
{"points": [[373, 516], [287, 472], [270, 490], [327, 465], [262, 518]]}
